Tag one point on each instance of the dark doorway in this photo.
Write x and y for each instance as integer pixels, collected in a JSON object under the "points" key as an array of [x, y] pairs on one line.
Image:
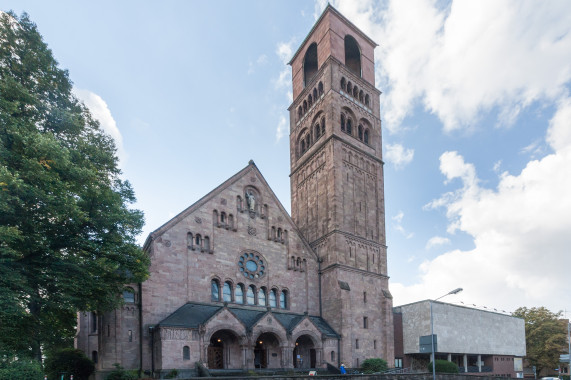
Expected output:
{"points": [[215, 357], [260, 355], [312, 358]]}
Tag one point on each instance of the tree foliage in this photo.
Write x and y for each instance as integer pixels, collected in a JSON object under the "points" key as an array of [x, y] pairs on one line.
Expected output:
{"points": [[21, 369], [68, 360], [67, 232], [545, 336], [372, 365], [443, 366]]}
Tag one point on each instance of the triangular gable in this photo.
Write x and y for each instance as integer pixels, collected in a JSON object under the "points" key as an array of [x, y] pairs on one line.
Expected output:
{"points": [[248, 317], [220, 315], [229, 182]]}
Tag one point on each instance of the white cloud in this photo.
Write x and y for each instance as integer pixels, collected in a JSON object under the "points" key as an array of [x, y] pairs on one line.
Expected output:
{"points": [[285, 51], [520, 231], [100, 111], [398, 155], [466, 58], [437, 241], [399, 227], [282, 128]]}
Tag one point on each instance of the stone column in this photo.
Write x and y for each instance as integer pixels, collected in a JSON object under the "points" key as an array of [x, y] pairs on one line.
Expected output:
{"points": [[479, 363], [465, 363]]}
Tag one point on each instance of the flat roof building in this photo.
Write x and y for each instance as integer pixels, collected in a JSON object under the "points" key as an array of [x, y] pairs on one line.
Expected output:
{"points": [[478, 341]]}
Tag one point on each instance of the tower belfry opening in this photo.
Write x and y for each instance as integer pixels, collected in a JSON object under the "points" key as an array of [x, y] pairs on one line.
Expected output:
{"points": [[352, 55], [310, 64]]}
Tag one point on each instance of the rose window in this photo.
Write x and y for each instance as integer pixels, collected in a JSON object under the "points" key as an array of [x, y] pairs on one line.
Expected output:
{"points": [[251, 265]]}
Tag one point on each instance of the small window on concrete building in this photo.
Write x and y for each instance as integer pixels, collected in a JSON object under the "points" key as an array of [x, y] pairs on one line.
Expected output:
{"points": [[186, 353]]}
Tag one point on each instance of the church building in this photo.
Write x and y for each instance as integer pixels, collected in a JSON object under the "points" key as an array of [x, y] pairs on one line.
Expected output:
{"points": [[236, 282]]}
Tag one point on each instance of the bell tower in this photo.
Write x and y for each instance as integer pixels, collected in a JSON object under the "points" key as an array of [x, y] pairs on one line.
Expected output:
{"points": [[337, 181]]}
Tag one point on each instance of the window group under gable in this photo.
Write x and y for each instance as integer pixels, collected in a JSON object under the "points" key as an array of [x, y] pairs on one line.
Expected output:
{"points": [[249, 295], [197, 242]]}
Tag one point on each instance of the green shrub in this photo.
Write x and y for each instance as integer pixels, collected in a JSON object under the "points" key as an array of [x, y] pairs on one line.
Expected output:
{"points": [[119, 373], [21, 369], [444, 366], [68, 360], [374, 365], [564, 377], [173, 374]]}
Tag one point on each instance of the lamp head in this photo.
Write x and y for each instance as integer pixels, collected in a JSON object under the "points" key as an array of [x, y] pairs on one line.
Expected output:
{"points": [[456, 291]]}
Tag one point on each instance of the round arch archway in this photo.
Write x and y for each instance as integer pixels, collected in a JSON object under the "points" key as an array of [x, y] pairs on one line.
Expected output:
{"points": [[304, 352], [267, 351], [224, 350]]}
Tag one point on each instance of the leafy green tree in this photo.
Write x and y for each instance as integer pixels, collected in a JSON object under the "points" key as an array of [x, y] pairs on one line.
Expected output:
{"points": [[545, 336], [21, 369], [119, 373], [68, 360], [67, 232], [443, 366], [374, 365]]}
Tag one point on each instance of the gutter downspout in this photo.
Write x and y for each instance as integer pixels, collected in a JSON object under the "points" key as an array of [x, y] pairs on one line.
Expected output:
{"points": [[140, 330], [319, 260]]}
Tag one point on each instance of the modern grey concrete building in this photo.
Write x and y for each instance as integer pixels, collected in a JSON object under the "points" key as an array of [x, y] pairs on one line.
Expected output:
{"points": [[478, 341]]}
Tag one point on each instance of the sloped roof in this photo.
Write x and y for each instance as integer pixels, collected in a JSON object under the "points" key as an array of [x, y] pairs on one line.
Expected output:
{"points": [[193, 314], [190, 315]]}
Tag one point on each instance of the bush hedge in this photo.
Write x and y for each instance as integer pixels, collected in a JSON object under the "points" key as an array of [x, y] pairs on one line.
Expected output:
{"points": [[21, 369], [68, 360], [373, 365], [443, 366]]}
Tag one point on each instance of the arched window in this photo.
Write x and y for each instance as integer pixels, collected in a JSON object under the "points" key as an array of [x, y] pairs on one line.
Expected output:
{"points": [[239, 294], [308, 140], [343, 122], [315, 94], [129, 295], [215, 290], [250, 295], [198, 240], [343, 84], [322, 125], [190, 240], [283, 300], [320, 88], [302, 148], [227, 292], [206, 243], [309, 101], [355, 92], [231, 220], [367, 100], [360, 132], [279, 233], [310, 64], [366, 138], [94, 357], [215, 217], [186, 353], [239, 204], [299, 113], [317, 131], [349, 126], [262, 296], [273, 298], [304, 106], [223, 217], [349, 88], [361, 97], [352, 55]]}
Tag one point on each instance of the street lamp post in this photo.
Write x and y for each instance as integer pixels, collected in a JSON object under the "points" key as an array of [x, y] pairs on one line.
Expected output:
{"points": [[455, 291]]}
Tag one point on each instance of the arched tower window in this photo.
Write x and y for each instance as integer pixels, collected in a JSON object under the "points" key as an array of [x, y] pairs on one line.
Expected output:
{"points": [[323, 125], [361, 96], [304, 106], [360, 132], [299, 113], [317, 131], [355, 92], [349, 88], [250, 295], [310, 64], [262, 296], [349, 126], [343, 122], [206, 243], [215, 290], [367, 100], [190, 240], [315, 94], [309, 101], [273, 298], [366, 138], [239, 294], [352, 55], [227, 292], [283, 300], [343, 84], [320, 88]]}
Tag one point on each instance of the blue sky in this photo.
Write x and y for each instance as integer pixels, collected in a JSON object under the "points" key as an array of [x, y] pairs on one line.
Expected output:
{"points": [[476, 122]]}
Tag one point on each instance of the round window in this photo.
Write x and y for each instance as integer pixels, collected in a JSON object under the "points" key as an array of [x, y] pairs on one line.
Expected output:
{"points": [[251, 265]]}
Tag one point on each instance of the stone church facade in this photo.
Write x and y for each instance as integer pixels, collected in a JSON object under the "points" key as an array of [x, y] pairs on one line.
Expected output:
{"points": [[235, 282]]}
